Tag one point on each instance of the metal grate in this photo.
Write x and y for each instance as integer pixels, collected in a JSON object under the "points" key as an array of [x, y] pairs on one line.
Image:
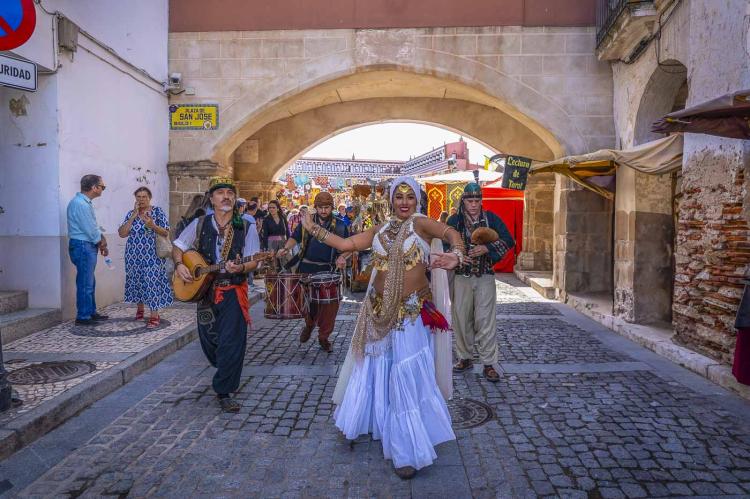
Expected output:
{"points": [[118, 327], [469, 413], [50, 372]]}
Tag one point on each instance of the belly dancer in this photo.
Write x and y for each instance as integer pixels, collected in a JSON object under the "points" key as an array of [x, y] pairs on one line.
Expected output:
{"points": [[388, 385]]}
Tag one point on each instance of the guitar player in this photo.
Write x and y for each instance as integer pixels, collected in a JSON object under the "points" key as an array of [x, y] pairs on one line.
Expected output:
{"points": [[223, 314]]}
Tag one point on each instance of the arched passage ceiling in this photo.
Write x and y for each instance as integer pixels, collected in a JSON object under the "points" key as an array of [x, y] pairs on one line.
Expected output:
{"points": [[282, 141], [364, 92]]}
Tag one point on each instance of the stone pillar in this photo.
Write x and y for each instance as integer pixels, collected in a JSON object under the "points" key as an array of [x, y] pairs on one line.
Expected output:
{"points": [[644, 242], [188, 178], [583, 240], [263, 189], [538, 226]]}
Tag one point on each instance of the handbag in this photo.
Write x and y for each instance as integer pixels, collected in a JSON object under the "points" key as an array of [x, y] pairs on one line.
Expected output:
{"points": [[163, 247]]}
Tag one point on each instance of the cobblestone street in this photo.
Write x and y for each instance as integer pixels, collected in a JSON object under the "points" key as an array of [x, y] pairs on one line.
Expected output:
{"points": [[579, 412]]}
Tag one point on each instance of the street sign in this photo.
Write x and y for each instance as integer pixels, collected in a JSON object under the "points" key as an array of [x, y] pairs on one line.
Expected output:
{"points": [[17, 73], [194, 117], [516, 171], [17, 22]]}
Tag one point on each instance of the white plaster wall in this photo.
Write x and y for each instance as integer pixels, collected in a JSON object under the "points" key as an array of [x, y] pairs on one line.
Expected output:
{"points": [[134, 29], [29, 173], [102, 117], [112, 126]]}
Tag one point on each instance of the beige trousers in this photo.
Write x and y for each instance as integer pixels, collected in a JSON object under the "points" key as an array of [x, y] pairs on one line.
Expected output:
{"points": [[473, 313]]}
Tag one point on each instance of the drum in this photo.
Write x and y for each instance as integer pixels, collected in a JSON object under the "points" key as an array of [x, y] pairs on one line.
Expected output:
{"points": [[285, 296], [324, 288]]}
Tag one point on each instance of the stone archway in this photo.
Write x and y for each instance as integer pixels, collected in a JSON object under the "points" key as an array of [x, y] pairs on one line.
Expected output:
{"points": [[500, 73]]}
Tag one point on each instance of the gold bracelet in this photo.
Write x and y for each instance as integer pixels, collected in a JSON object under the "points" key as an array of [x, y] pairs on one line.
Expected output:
{"points": [[447, 228]]}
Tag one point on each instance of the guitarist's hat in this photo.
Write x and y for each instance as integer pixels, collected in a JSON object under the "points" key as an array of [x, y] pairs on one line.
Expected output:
{"points": [[221, 183]]}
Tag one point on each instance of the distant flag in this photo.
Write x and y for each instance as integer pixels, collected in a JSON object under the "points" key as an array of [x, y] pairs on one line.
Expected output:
{"points": [[486, 163]]}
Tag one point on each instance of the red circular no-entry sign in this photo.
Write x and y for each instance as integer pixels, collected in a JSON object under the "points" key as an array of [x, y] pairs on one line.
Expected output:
{"points": [[17, 22]]}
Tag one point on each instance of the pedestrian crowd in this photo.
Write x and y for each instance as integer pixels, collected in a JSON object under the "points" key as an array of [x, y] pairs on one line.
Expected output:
{"points": [[397, 376]]}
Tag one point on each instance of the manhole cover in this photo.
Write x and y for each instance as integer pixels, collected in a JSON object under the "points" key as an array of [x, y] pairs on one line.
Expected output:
{"points": [[113, 328], [468, 413], [50, 372]]}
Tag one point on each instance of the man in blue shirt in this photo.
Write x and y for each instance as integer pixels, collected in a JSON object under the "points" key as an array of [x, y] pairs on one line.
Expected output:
{"points": [[85, 240]]}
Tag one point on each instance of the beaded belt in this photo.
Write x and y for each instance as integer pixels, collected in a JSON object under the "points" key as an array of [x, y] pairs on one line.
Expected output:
{"points": [[410, 306]]}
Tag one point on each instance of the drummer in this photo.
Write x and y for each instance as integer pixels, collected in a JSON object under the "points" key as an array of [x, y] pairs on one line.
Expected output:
{"points": [[316, 257]]}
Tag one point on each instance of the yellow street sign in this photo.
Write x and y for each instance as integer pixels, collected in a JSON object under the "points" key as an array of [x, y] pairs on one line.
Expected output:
{"points": [[194, 117]]}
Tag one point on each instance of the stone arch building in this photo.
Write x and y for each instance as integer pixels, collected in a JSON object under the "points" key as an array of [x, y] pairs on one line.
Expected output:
{"points": [[538, 92]]}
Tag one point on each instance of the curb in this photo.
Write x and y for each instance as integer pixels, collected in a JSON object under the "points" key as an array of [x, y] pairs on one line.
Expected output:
{"points": [[52, 413], [659, 341]]}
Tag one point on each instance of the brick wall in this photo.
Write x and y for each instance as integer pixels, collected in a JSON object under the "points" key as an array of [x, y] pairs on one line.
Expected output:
{"points": [[713, 250]]}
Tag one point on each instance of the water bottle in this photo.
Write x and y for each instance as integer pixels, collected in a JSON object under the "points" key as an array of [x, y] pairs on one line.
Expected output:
{"points": [[108, 263]]}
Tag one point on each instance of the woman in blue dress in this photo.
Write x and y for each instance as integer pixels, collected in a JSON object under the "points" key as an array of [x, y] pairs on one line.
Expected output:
{"points": [[146, 281]]}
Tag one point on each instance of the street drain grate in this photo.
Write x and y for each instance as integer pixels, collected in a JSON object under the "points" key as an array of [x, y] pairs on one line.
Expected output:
{"points": [[50, 372], [468, 413], [115, 328]]}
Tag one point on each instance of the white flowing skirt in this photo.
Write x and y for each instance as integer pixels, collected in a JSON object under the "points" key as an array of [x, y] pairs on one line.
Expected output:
{"points": [[392, 393]]}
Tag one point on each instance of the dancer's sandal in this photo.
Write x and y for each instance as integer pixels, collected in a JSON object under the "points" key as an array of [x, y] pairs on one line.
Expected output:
{"points": [[405, 472], [139, 314], [153, 322]]}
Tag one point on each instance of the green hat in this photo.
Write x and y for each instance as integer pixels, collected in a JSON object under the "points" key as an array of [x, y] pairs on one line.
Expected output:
{"points": [[221, 183], [472, 190]]}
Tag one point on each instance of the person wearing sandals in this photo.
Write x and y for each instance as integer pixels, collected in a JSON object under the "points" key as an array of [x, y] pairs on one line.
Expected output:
{"points": [[146, 281], [223, 314], [474, 293], [393, 381]]}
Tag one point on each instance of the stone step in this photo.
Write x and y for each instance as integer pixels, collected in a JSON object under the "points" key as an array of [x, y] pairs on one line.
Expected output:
{"points": [[16, 325], [13, 301]]}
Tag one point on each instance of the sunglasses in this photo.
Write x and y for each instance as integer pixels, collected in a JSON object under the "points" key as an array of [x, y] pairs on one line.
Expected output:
{"points": [[102, 187]]}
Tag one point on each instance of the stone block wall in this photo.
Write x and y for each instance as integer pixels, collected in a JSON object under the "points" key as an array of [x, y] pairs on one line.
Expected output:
{"points": [[583, 240], [538, 223], [550, 75], [186, 179]]}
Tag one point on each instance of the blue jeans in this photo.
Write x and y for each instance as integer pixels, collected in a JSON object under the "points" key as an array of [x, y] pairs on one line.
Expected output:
{"points": [[83, 255]]}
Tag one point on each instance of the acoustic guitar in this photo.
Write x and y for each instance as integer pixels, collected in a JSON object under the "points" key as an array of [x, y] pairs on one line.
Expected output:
{"points": [[203, 274]]}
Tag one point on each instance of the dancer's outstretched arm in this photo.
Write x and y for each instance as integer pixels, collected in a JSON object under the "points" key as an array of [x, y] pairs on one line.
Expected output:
{"points": [[430, 229]]}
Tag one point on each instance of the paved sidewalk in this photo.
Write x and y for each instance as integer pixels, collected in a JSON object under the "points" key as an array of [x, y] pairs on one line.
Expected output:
{"points": [[59, 371], [579, 412]]}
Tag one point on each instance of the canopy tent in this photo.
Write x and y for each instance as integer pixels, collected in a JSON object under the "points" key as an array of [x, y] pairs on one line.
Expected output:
{"points": [[461, 176], [655, 158], [725, 116]]}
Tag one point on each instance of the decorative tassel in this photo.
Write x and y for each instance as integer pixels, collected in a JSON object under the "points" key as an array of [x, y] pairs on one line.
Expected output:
{"points": [[236, 219], [432, 318]]}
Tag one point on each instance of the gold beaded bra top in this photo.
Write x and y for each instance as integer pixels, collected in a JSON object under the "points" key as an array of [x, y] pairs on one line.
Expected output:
{"points": [[415, 249]]}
